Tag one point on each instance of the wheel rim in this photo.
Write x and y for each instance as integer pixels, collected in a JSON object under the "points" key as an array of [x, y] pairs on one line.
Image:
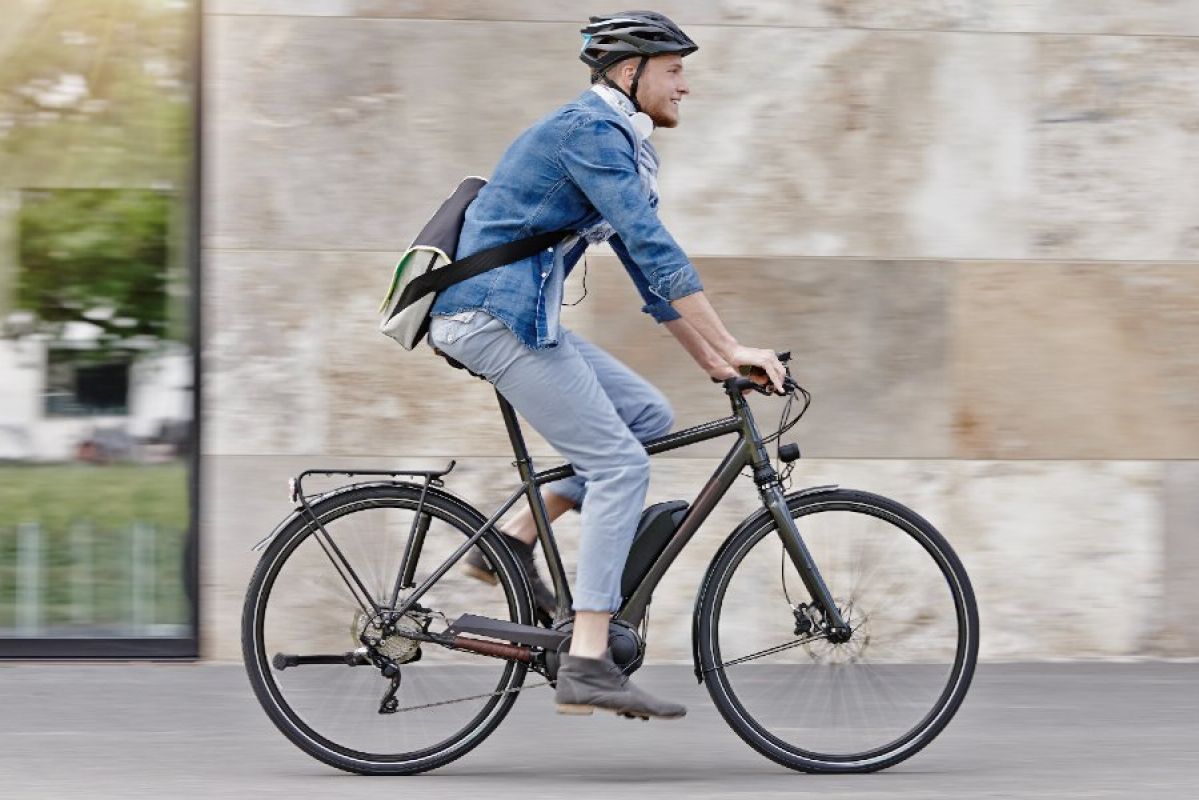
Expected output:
{"points": [[304, 607], [867, 700]]}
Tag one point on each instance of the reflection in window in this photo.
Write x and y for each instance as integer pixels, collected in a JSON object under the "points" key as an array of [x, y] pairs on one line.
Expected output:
{"points": [[96, 361], [80, 387]]}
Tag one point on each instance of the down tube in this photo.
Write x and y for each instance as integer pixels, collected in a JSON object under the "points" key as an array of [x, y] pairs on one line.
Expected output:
{"points": [[716, 487]]}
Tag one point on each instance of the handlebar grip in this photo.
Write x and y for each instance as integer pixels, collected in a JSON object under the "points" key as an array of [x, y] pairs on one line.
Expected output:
{"points": [[741, 384]]}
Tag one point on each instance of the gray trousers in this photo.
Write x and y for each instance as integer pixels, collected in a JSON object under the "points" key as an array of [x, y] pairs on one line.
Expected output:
{"points": [[595, 412]]}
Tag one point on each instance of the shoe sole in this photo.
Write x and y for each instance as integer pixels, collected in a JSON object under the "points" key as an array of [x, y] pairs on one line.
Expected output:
{"points": [[480, 574], [577, 710]]}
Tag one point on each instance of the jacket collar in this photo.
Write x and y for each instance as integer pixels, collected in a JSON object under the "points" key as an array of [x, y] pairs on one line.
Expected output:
{"points": [[638, 122]]}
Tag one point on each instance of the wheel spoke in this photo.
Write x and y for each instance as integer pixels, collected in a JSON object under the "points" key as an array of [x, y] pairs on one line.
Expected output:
{"points": [[850, 705], [302, 604], [767, 652]]}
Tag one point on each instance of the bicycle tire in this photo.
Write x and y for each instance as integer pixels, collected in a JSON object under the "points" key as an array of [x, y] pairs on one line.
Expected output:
{"points": [[805, 510], [263, 676]]}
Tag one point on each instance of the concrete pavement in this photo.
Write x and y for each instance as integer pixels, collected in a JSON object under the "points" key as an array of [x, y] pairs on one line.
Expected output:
{"points": [[195, 730]]}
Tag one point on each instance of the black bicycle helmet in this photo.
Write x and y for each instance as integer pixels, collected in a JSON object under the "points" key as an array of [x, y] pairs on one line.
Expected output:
{"points": [[614, 37]]}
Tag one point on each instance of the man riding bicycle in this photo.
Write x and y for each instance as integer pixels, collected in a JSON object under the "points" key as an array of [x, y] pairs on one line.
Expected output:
{"points": [[588, 167]]}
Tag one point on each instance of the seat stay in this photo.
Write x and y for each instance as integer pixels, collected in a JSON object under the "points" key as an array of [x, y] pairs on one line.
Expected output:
{"points": [[454, 557]]}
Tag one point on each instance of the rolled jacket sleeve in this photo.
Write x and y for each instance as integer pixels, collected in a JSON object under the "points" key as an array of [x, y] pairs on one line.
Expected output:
{"points": [[655, 306], [599, 157]]}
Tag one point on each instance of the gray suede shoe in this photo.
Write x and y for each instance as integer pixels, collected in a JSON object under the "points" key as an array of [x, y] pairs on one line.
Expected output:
{"points": [[476, 565], [585, 684]]}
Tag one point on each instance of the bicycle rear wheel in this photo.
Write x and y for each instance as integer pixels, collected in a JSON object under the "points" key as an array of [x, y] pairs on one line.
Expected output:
{"points": [[299, 605], [861, 705]]}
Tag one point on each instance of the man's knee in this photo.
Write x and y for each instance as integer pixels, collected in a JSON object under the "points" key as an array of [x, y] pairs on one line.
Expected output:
{"points": [[628, 464], [657, 419]]}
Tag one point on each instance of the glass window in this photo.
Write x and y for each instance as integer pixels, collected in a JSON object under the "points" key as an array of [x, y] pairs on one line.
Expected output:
{"points": [[97, 360]]}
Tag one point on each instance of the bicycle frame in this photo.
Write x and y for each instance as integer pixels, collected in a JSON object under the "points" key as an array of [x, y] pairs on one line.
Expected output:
{"points": [[748, 450]]}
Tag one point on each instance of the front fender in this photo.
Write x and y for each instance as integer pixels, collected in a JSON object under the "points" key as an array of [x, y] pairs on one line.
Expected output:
{"points": [[749, 522]]}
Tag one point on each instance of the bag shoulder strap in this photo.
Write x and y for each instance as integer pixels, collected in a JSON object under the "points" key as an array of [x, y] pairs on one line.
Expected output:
{"points": [[477, 264]]}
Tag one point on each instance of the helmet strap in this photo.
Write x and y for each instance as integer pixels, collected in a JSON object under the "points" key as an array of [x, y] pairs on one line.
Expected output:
{"points": [[632, 93], [636, 80]]}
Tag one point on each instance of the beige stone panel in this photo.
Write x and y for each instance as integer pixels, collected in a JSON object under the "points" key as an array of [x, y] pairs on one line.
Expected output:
{"points": [[1065, 557], [1180, 609], [294, 362], [1156, 17], [1117, 148], [1076, 360], [385, 400], [1078, 543], [1162, 17], [868, 339], [860, 145], [570, 11], [870, 144], [934, 15], [263, 352], [347, 133]]}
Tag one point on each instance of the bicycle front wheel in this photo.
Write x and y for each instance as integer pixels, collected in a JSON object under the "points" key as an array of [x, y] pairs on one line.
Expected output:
{"points": [[303, 621], [863, 704]]}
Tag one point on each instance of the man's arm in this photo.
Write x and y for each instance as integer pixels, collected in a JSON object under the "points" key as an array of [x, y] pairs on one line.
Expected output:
{"points": [[703, 353], [697, 312], [598, 156]]}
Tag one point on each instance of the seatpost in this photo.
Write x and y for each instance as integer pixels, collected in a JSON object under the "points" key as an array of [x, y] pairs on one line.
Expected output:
{"points": [[524, 465]]}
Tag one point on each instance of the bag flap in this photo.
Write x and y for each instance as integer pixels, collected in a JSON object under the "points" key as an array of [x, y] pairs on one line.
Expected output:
{"points": [[397, 277], [442, 231]]}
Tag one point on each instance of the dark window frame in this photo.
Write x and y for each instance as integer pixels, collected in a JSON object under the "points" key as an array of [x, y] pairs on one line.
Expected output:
{"points": [[185, 648]]}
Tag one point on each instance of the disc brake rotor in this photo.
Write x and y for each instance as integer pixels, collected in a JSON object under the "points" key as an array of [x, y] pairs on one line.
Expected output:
{"points": [[822, 651]]}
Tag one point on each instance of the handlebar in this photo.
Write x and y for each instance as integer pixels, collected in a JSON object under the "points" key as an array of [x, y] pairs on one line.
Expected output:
{"points": [[743, 382], [740, 384]]}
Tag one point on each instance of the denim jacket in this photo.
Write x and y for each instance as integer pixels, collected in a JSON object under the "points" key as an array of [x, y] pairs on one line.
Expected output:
{"points": [[571, 170]]}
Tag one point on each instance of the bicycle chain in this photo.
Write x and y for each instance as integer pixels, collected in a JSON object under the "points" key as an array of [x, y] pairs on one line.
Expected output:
{"points": [[472, 697]]}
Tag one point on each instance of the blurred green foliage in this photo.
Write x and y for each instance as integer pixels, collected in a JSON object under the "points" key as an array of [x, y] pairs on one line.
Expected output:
{"points": [[98, 93], [95, 92], [86, 249]]}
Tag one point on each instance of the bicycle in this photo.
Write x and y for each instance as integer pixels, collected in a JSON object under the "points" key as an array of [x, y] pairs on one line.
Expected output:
{"points": [[370, 653]]}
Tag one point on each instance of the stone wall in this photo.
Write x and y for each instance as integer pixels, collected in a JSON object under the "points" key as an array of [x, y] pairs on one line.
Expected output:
{"points": [[975, 224]]}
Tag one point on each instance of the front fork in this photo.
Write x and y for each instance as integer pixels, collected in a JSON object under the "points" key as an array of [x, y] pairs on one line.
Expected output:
{"points": [[835, 628], [771, 492]]}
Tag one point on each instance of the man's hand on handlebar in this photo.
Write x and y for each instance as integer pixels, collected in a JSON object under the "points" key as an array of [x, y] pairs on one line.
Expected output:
{"points": [[764, 367]]}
